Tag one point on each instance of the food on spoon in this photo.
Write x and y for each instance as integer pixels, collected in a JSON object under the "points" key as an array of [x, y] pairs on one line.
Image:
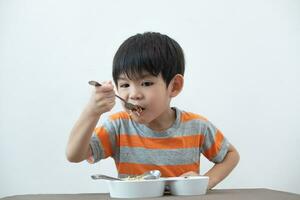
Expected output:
{"points": [[137, 110]]}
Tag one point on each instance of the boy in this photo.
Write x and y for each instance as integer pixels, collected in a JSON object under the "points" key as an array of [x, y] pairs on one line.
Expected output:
{"points": [[148, 71]]}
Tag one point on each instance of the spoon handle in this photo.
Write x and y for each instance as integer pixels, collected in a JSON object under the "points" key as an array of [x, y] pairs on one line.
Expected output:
{"points": [[96, 84], [101, 176]]}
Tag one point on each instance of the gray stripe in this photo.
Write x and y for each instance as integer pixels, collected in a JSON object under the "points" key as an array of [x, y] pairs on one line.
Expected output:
{"points": [[209, 136], [97, 148], [160, 157], [111, 129], [193, 127], [222, 153]]}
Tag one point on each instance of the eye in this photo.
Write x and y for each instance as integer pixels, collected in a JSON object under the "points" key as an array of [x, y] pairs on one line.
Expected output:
{"points": [[147, 83], [124, 85]]}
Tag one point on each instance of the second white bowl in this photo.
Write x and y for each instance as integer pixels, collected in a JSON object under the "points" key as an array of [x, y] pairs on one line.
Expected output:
{"points": [[191, 185]]}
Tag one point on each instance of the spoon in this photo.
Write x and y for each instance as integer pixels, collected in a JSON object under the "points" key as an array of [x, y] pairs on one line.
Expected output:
{"points": [[134, 108], [149, 175], [101, 176], [152, 174]]}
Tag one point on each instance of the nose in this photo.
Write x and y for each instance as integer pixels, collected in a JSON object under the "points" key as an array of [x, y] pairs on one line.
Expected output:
{"points": [[135, 93]]}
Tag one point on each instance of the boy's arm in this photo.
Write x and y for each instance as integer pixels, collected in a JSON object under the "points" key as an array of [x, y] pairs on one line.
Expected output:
{"points": [[78, 148], [102, 100], [220, 170]]}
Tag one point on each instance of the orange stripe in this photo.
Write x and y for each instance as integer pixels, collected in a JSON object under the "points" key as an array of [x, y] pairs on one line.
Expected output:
{"points": [[161, 143], [119, 115], [166, 170], [187, 116], [104, 138], [215, 148]]}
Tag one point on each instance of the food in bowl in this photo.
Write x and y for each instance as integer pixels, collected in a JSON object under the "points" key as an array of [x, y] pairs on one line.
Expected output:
{"points": [[134, 178], [190, 185]]}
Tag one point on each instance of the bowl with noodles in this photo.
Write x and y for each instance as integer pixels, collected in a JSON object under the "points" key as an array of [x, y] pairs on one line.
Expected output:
{"points": [[136, 188]]}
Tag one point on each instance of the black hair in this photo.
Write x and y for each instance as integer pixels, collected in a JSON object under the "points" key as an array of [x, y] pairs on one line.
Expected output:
{"points": [[150, 52]]}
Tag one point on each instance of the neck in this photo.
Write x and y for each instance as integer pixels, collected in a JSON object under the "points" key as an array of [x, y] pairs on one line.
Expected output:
{"points": [[164, 121]]}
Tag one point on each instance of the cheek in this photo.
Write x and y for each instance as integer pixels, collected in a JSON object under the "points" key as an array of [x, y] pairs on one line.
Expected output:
{"points": [[153, 97], [122, 93], [158, 102]]}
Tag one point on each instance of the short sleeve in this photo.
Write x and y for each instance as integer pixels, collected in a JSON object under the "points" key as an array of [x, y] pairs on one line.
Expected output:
{"points": [[102, 142], [215, 145]]}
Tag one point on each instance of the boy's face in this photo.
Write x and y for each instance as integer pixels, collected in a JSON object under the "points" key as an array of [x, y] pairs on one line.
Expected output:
{"points": [[149, 92]]}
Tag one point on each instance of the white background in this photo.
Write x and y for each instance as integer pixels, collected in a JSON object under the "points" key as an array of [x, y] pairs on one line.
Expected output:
{"points": [[242, 73]]}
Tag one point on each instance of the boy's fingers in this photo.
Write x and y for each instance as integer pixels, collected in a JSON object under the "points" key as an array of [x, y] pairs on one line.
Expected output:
{"points": [[190, 173], [107, 83], [106, 95], [104, 88]]}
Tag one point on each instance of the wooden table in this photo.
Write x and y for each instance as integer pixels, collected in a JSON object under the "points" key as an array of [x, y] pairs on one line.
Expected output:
{"points": [[228, 194]]}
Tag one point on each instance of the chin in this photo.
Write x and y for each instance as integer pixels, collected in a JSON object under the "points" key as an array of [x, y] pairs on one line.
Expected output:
{"points": [[140, 120]]}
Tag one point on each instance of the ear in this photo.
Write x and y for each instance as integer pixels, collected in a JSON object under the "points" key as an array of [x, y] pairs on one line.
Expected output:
{"points": [[176, 85]]}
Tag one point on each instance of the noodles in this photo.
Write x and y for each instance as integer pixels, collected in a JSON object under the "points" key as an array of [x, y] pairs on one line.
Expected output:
{"points": [[134, 178]]}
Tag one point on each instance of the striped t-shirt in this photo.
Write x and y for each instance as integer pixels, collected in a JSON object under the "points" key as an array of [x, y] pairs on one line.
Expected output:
{"points": [[137, 148]]}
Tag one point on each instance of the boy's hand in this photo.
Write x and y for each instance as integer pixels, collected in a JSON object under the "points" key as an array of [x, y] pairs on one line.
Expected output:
{"points": [[190, 173], [102, 99]]}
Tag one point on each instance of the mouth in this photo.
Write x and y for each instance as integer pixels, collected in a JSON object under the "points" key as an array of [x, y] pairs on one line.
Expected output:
{"points": [[137, 109]]}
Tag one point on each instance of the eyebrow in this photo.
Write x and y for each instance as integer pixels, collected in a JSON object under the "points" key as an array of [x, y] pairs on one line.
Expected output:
{"points": [[122, 78]]}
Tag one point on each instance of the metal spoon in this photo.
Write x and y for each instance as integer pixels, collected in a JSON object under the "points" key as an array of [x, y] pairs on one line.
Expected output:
{"points": [[101, 176], [149, 175], [153, 174], [134, 108]]}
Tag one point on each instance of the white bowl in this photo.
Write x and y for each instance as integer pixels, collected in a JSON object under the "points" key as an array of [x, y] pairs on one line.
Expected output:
{"points": [[136, 188], [191, 185]]}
